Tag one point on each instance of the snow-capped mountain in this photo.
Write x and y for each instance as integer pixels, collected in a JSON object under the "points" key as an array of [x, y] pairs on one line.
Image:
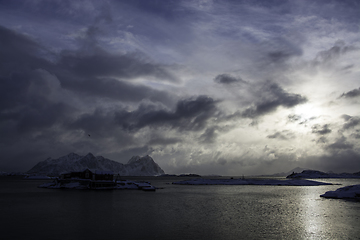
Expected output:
{"points": [[137, 166]]}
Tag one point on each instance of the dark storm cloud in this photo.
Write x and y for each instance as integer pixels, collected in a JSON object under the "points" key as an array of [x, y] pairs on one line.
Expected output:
{"points": [[92, 70], [351, 94], [14, 44], [39, 96], [278, 51], [280, 56], [348, 67], [163, 141], [283, 135], [24, 91], [127, 153], [98, 122], [340, 144], [351, 122], [343, 160], [345, 117], [190, 114], [95, 67], [39, 116], [356, 135], [294, 118], [78, 71], [334, 52], [278, 135], [271, 97], [321, 130], [322, 139], [221, 161], [113, 89], [210, 135], [21, 56], [103, 64], [299, 119], [66, 9], [228, 79], [336, 159], [170, 10]]}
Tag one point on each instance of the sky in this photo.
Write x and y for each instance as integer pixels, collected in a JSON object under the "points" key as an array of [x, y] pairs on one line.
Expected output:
{"points": [[208, 87]]}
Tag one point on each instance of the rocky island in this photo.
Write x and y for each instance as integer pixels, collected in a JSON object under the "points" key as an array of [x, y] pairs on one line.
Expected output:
{"points": [[319, 174]]}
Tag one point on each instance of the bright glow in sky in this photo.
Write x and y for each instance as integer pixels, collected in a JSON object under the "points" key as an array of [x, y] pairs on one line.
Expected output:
{"points": [[208, 87]]}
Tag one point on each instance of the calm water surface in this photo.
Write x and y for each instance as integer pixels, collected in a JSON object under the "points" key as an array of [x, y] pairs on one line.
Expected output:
{"points": [[176, 212]]}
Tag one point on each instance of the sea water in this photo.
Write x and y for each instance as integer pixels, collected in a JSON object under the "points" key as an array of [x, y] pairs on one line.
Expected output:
{"points": [[176, 212]]}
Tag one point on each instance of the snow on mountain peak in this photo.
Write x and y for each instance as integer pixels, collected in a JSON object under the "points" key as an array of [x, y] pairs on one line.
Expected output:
{"points": [[133, 159], [136, 166], [138, 159]]}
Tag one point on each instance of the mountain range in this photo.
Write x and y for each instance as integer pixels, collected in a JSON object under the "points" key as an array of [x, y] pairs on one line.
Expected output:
{"points": [[136, 166], [284, 174]]}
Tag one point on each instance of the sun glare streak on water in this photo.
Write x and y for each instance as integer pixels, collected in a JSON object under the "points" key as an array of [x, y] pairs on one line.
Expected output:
{"points": [[312, 217]]}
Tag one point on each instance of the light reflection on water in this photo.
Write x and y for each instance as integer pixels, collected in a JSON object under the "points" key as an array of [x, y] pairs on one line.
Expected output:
{"points": [[329, 218], [177, 212], [313, 216]]}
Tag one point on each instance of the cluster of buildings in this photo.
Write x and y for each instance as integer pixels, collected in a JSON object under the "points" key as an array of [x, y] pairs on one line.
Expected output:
{"points": [[93, 179]]}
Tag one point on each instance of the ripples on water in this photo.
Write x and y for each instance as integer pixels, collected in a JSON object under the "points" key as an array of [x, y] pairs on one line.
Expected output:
{"points": [[176, 212]]}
